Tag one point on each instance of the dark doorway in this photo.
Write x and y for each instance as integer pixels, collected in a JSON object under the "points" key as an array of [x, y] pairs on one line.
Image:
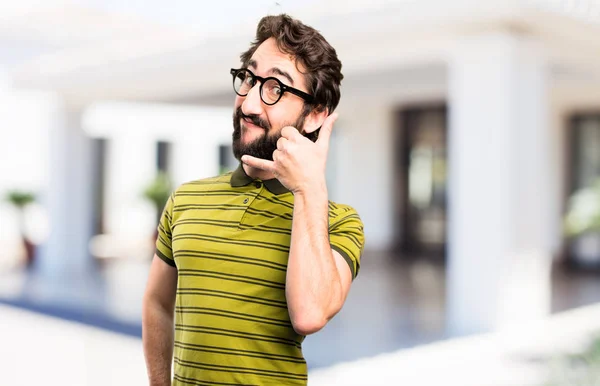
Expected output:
{"points": [[583, 251], [99, 180], [421, 167], [163, 156]]}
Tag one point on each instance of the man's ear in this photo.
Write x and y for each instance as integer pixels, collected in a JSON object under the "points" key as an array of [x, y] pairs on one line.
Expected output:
{"points": [[314, 120]]}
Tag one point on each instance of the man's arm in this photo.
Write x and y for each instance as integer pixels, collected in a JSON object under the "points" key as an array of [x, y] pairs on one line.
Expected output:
{"points": [[157, 321], [318, 278]]}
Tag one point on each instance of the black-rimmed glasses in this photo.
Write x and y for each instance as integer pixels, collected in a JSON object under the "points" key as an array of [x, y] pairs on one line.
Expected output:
{"points": [[271, 89]]}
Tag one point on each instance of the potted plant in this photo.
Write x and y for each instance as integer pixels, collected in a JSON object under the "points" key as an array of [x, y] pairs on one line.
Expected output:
{"points": [[158, 192], [20, 199], [582, 225]]}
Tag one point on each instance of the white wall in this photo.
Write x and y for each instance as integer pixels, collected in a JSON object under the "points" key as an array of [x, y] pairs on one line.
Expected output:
{"points": [[364, 167], [133, 130]]}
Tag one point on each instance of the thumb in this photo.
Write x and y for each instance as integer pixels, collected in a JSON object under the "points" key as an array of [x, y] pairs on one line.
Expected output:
{"points": [[258, 163], [326, 129]]}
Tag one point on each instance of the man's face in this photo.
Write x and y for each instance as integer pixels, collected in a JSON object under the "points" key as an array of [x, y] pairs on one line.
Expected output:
{"points": [[257, 126]]}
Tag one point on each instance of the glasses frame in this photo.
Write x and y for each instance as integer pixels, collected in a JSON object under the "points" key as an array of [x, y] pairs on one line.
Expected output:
{"points": [[284, 88]]}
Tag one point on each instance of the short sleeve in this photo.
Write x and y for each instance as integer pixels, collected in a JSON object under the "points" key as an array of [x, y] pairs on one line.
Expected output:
{"points": [[163, 240], [346, 235]]}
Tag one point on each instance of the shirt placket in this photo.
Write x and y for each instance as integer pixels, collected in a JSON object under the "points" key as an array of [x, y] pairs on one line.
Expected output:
{"points": [[248, 201]]}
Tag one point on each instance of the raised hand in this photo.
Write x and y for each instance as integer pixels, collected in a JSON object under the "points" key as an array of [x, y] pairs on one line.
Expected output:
{"points": [[298, 163]]}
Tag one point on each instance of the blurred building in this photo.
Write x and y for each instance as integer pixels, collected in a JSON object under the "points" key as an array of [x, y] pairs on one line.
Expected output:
{"points": [[464, 128]]}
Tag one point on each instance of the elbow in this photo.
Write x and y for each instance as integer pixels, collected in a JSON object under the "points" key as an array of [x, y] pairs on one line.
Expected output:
{"points": [[308, 325], [309, 318], [311, 322]]}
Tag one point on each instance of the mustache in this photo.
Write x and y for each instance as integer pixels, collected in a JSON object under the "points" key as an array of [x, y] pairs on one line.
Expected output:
{"points": [[254, 119]]}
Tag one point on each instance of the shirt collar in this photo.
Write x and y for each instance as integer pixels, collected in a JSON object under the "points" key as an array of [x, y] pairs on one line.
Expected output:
{"points": [[240, 178]]}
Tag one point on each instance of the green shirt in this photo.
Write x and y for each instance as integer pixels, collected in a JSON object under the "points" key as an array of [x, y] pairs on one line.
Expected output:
{"points": [[229, 237]]}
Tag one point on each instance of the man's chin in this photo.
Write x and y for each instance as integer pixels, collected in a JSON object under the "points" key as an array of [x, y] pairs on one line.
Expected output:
{"points": [[249, 139]]}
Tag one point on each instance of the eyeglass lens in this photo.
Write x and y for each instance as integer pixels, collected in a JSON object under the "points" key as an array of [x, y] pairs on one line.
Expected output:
{"points": [[270, 90]]}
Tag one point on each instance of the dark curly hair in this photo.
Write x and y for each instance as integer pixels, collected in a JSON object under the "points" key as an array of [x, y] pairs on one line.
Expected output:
{"points": [[311, 50]]}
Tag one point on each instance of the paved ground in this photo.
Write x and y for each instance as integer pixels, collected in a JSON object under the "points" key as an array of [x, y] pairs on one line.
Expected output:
{"points": [[527, 356], [391, 305], [41, 350]]}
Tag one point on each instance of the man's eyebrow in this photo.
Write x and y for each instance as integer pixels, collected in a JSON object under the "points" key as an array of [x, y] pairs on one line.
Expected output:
{"points": [[278, 71], [252, 63]]}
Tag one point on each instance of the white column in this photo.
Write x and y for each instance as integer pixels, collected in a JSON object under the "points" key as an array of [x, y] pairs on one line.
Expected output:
{"points": [[131, 166], [68, 198], [499, 252]]}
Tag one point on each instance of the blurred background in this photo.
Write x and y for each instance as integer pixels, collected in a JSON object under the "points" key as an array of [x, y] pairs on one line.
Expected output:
{"points": [[468, 141]]}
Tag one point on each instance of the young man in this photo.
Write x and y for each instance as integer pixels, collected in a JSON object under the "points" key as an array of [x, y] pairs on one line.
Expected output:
{"points": [[245, 282]]}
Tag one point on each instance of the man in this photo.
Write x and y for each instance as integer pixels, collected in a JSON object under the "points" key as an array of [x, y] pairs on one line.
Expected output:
{"points": [[245, 282]]}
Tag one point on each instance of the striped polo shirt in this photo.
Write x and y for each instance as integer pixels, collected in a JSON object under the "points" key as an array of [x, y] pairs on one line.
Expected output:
{"points": [[229, 237]]}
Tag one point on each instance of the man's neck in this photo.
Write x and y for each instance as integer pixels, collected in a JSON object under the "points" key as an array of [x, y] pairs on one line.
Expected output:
{"points": [[257, 173]]}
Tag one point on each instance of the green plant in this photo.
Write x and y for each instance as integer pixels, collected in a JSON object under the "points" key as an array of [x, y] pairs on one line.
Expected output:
{"points": [[20, 199], [581, 369], [583, 213], [159, 190]]}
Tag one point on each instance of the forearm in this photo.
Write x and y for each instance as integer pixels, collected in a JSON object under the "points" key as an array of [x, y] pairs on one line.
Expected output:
{"points": [[157, 336], [313, 287]]}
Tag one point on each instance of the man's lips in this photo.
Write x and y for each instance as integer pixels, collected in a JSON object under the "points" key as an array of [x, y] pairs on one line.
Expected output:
{"points": [[248, 123]]}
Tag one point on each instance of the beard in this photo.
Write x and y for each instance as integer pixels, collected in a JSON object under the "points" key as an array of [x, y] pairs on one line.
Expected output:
{"points": [[263, 146]]}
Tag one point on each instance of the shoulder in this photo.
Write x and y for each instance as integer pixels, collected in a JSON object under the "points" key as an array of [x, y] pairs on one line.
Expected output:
{"points": [[342, 212], [336, 209]]}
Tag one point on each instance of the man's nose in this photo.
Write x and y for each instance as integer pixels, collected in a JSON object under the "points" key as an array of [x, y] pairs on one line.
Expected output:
{"points": [[252, 104]]}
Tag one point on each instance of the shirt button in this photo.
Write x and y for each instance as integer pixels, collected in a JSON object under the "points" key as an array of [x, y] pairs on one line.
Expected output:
{"points": [[246, 201], [257, 184]]}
